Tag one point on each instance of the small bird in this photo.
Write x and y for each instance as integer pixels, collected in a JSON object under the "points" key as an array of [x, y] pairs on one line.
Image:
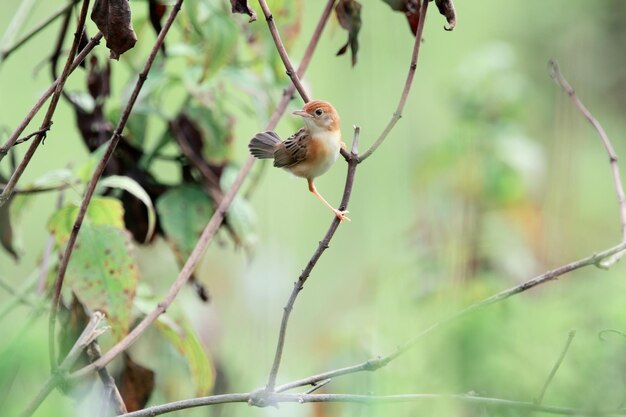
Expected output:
{"points": [[309, 152]]}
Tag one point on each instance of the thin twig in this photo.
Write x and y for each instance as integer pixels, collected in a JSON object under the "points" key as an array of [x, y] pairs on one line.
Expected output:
{"points": [[4, 149], [274, 398], [205, 238], [91, 332], [91, 186], [556, 366], [113, 395], [557, 76], [322, 246], [47, 119], [379, 362], [291, 73], [4, 54], [407, 84]]}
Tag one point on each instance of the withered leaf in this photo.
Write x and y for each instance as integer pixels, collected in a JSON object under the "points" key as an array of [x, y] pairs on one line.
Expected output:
{"points": [[410, 8], [446, 8], [114, 21], [156, 10], [135, 383], [349, 15], [242, 6]]}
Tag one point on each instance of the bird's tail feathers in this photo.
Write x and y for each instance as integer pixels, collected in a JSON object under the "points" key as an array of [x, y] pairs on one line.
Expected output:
{"points": [[263, 144]]}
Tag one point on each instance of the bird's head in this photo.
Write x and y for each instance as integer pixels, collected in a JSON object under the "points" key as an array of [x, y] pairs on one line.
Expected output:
{"points": [[319, 116]]}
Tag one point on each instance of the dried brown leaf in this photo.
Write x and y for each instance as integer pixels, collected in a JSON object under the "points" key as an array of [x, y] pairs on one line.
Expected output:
{"points": [[242, 6], [349, 15], [135, 383], [446, 8], [114, 21]]}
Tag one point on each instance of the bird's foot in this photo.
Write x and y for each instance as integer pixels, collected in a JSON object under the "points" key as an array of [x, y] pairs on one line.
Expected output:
{"points": [[341, 214]]}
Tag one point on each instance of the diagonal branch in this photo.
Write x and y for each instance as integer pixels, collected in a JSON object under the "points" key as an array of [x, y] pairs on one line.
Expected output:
{"points": [[557, 76], [379, 362], [209, 231], [91, 187], [47, 120], [283, 52], [322, 246]]}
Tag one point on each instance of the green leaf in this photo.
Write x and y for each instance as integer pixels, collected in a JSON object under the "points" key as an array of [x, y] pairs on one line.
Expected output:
{"points": [[130, 185], [183, 337], [103, 273], [241, 216], [184, 212], [101, 211]]}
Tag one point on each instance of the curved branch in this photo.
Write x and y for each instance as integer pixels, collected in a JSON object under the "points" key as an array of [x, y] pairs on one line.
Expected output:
{"points": [[407, 84], [353, 161]]}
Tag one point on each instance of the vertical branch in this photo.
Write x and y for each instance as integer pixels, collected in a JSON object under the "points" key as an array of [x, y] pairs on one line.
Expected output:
{"points": [[205, 238], [557, 76], [47, 120], [91, 187], [322, 246], [407, 84], [556, 366], [282, 52]]}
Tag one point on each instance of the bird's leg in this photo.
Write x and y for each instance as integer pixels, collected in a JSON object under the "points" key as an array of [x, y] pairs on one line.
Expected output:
{"points": [[341, 214]]}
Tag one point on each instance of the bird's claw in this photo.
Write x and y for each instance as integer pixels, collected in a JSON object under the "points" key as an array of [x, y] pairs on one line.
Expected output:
{"points": [[341, 215]]}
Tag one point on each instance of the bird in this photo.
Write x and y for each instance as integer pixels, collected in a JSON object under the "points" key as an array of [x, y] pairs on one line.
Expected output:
{"points": [[309, 152]]}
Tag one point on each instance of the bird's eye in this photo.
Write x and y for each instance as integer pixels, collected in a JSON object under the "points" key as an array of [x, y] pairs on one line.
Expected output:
{"points": [[319, 112]]}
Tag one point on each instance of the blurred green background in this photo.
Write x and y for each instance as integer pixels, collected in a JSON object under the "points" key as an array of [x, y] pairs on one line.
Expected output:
{"points": [[491, 177]]}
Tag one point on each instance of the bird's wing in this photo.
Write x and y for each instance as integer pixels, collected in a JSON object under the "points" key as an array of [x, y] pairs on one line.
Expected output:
{"points": [[292, 150]]}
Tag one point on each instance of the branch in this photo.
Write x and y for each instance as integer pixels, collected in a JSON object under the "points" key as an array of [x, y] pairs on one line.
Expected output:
{"points": [[47, 120], [91, 187], [4, 150], [556, 75], [407, 84], [556, 366], [205, 238], [112, 394], [282, 52], [353, 161], [89, 334], [4, 54], [273, 398], [379, 362]]}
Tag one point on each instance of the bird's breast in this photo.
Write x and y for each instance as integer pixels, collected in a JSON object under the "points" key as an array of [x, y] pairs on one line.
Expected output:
{"points": [[322, 153]]}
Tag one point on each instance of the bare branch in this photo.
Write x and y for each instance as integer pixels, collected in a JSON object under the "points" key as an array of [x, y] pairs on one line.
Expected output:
{"points": [[407, 84], [205, 238], [322, 246], [91, 187], [556, 366], [112, 394], [56, 96], [557, 76], [274, 398], [4, 53], [378, 362], [282, 52]]}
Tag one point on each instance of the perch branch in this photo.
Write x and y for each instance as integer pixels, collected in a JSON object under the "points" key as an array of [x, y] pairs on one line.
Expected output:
{"points": [[203, 242], [407, 84], [557, 76], [47, 119], [379, 362], [322, 246], [280, 47]]}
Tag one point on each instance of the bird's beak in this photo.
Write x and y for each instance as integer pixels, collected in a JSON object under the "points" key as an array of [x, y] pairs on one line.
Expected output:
{"points": [[302, 113]]}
